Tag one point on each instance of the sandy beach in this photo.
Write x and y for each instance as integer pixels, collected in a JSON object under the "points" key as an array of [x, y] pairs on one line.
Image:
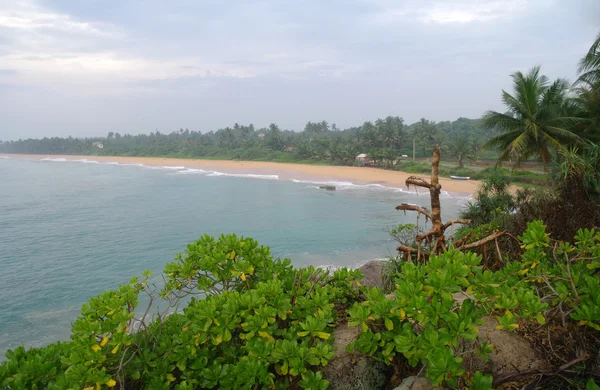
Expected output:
{"points": [[286, 171]]}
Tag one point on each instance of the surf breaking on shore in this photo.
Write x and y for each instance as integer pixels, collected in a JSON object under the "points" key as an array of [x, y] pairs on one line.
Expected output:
{"points": [[342, 177]]}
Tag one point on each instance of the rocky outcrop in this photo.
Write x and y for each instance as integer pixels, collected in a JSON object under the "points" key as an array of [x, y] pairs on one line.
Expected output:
{"points": [[328, 188], [511, 352], [353, 371], [372, 272]]}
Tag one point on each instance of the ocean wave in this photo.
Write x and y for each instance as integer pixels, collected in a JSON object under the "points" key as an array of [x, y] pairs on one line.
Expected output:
{"points": [[132, 165], [54, 159], [164, 167], [85, 161], [4, 157], [357, 265], [349, 185], [191, 171], [111, 163], [248, 175], [346, 185]]}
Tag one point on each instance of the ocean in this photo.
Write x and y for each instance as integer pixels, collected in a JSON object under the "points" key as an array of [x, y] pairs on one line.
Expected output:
{"points": [[70, 229]]}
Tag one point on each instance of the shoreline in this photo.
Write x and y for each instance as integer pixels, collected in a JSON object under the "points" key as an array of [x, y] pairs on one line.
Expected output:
{"points": [[285, 171]]}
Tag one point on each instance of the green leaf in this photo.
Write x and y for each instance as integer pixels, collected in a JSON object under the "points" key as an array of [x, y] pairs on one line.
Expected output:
{"points": [[591, 385], [389, 325], [540, 319], [323, 335]]}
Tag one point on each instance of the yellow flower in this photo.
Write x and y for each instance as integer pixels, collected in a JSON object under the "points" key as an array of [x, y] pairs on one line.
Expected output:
{"points": [[243, 276], [104, 341], [186, 329], [111, 383], [115, 349], [96, 348]]}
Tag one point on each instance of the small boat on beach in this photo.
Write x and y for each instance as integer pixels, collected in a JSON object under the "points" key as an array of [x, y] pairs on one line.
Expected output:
{"points": [[460, 177]]}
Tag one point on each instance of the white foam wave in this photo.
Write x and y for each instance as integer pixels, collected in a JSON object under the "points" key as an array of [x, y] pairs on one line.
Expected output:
{"points": [[248, 175], [191, 171], [4, 157], [85, 161], [349, 185], [346, 185], [111, 163], [164, 167], [332, 267], [54, 159], [132, 165]]}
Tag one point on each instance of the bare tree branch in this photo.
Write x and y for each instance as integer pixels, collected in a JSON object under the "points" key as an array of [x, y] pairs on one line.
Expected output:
{"points": [[404, 248], [461, 221], [413, 207], [417, 182], [503, 378], [481, 242]]}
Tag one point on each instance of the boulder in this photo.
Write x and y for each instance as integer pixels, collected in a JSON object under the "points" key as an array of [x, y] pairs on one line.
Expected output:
{"points": [[328, 188], [353, 371], [511, 352], [416, 383], [372, 272]]}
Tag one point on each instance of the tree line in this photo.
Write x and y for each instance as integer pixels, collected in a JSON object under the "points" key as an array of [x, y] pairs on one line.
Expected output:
{"points": [[384, 139]]}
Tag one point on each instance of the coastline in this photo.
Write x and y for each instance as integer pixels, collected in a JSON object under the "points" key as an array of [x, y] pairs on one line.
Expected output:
{"points": [[285, 171]]}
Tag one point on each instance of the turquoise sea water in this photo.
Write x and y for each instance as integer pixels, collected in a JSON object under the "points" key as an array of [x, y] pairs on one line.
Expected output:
{"points": [[71, 229]]}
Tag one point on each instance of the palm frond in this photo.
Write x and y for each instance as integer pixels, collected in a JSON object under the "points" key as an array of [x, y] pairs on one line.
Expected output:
{"points": [[592, 59], [504, 140], [496, 121], [515, 106], [564, 135]]}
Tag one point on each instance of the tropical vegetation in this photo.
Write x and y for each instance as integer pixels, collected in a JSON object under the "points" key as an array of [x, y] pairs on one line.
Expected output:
{"points": [[252, 321], [385, 140]]}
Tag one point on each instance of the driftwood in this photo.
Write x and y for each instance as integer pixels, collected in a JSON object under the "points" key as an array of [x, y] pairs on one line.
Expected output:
{"points": [[436, 234]]}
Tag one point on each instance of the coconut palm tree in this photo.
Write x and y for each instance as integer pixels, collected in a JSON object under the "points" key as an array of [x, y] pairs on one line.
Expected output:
{"points": [[589, 66], [537, 123], [587, 98]]}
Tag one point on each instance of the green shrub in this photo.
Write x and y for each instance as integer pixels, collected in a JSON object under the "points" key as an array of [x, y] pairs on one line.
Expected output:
{"points": [[256, 322], [424, 324], [259, 323]]}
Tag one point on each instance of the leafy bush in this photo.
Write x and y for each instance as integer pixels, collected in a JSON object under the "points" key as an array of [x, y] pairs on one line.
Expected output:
{"points": [[256, 322], [424, 324], [260, 323]]}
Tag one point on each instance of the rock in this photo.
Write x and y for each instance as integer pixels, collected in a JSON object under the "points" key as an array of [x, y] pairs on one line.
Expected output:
{"points": [[372, 272], [416, 383], [353, 371], [511, 352], [328, 188]]}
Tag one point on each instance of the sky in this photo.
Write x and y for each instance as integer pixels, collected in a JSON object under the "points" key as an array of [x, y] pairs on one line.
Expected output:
{"points": [[87, 67]]}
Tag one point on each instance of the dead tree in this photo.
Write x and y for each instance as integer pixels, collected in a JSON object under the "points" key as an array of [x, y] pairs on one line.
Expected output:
{"points": [[436, 235]]}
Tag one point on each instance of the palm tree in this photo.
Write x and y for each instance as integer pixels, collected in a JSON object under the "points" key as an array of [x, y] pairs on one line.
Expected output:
{"points": [[588, 91], [462, 147], [537, 123], [589, 66]]}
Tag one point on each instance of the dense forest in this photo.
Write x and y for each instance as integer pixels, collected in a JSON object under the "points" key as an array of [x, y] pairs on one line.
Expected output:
{"points": [[522, 270], [385, 139]]}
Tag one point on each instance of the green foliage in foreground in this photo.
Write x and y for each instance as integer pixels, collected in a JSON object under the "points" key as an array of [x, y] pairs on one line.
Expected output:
{"points": [[260, 323], [425, 324]]}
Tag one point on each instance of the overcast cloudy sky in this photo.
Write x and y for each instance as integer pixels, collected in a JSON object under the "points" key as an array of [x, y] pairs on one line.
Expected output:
{"points": [[86, 67]]}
